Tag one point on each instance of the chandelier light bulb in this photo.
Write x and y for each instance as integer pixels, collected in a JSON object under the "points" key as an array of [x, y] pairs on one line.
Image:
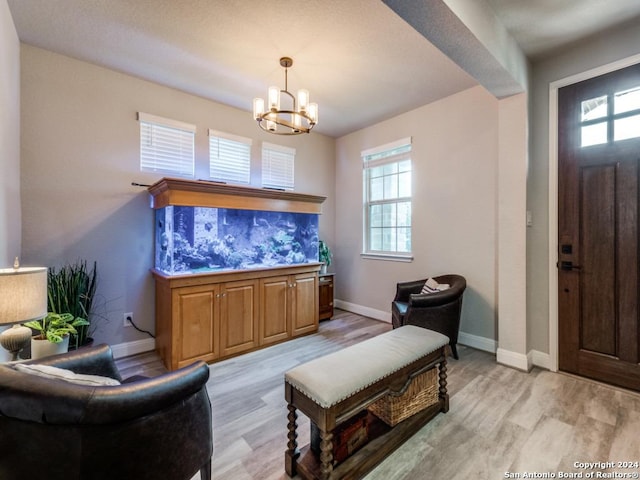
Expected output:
{"points": [[274, 98], [303, 100], [313, 113], [258, 108]]}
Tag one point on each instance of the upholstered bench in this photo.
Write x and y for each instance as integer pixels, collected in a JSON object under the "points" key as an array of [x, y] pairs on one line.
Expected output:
{"points": [[332, 389]]}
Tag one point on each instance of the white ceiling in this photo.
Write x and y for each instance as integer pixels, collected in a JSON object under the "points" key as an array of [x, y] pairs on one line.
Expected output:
{"points": [[360, 61]]}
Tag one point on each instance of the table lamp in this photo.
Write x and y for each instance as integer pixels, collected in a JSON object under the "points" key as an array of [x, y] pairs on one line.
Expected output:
{"points": [[23, 297]]}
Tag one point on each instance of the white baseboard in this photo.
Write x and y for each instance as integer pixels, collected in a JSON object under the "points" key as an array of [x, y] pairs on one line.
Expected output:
{"points": [[540, 359], [513, 359], [481, 343], [362, 310], [132, 348], [505, 357]]}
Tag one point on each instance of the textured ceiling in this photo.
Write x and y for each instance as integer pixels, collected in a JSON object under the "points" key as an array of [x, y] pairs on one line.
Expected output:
{"points": [[360, 61], [543, 26]]}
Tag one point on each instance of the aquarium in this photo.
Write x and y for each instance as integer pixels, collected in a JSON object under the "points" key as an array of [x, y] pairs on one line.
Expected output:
{"points": [[205, 239]]}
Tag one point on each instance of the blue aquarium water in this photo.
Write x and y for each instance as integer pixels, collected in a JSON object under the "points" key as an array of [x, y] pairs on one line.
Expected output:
{"points": [[204, 239]]}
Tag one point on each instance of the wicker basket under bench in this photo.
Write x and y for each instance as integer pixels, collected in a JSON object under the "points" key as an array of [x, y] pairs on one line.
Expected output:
{"points": [[400, 376]]}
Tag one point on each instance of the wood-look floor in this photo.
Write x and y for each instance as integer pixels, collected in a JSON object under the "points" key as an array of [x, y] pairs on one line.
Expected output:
{"points": [[500, 420]]}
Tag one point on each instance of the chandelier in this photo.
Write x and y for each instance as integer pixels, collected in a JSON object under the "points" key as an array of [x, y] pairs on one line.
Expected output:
{"points": [[299, 118]]}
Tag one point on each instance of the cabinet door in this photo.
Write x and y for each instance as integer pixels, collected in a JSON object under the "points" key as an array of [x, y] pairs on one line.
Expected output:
{"points": [[195, 309], [238, 317], [304, 304], [274, 301], [325, 292]]}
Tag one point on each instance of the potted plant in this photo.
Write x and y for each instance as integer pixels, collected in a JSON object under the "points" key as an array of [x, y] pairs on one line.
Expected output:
{"points": [[324, 255], [53, 334], [72, 289]]}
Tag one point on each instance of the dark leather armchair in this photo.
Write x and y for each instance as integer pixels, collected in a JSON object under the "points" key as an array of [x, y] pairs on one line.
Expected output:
{"points": [[146, 428], [439, 311]]}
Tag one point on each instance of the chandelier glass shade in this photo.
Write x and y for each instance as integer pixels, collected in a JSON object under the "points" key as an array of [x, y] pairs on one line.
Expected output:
{"points": [[298, 116]]}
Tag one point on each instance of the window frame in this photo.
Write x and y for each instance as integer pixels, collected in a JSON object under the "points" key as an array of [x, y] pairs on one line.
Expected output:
{"points": [[376, 157]]}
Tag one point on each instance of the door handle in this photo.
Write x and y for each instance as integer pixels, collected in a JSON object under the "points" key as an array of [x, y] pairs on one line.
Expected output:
{"points": [[569, 266]]}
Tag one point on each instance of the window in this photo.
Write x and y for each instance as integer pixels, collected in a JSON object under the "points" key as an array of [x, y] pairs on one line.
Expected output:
{"points": [[611, 117], [387, 200], [166, 146], [229, 157], [277, 166]]}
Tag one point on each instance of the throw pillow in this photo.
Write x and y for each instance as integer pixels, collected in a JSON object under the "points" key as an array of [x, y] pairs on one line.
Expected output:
{"points": [[432, 286], [56, 373]]}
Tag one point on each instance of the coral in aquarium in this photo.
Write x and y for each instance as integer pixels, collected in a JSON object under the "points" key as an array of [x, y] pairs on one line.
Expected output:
{"points": [[196, 239]]}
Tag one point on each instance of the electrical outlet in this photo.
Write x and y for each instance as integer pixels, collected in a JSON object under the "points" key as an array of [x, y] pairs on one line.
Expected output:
{"points": [[127, 318]]}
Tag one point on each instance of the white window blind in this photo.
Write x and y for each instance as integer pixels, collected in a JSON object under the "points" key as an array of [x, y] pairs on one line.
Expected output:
{"points": [[277, 166], [229, 157], [166, 145]]}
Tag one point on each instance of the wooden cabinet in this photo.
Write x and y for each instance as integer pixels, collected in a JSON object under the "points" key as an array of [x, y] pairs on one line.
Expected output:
{"points": [[274, 309], [198, 323], [238, 317], [304, 304], [217, 315], [288, 306], [325, 296]]}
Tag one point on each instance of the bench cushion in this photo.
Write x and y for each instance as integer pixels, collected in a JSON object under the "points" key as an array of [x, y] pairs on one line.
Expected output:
{"points": [[330, 379]]}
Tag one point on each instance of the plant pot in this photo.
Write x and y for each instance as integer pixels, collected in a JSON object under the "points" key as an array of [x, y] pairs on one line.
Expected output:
{"points": [[44, 348], [323, 269]]}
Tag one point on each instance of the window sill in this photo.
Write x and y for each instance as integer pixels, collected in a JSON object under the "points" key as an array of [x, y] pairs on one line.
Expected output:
{"points": [[392, 257]]}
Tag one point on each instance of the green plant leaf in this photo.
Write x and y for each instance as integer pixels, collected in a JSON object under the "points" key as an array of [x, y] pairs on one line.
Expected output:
{"points": [[35, 324]]}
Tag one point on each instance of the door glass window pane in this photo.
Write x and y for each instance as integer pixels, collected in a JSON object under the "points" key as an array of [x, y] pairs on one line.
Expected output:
{"points": [[594, 108], [624, 128], [594, 134], [626, 101]]}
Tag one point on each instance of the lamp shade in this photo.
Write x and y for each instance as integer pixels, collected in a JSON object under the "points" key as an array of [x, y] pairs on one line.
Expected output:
{"points": [[23, 294]]}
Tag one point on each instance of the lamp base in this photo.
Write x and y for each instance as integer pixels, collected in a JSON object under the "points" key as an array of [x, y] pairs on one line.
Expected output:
{"points": [[15, 339]]}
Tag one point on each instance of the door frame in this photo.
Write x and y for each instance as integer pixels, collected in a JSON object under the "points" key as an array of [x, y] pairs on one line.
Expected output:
{"points": [[553, 191]]}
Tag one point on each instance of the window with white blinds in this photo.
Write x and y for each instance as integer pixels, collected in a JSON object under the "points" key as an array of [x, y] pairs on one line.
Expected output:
{"points": [[229, 157], [277, 166], [166, 146]]}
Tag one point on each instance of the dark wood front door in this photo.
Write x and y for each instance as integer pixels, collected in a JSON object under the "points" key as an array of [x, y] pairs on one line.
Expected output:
{"points": [[599, 154]]}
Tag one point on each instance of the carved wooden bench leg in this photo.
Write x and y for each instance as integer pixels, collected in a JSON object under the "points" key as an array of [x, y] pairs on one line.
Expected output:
{"points": [[326, 454], [442, 392], [292, 453]]}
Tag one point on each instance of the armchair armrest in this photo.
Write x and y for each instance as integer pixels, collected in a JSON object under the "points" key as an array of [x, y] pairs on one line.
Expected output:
{"points": [[72, 404], [135, 400], [91, 361], [405, 289]]}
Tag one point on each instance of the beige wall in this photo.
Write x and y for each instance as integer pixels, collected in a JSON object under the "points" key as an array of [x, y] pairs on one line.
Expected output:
{"points": [[10, 213], [80, 153], [454, 152]]}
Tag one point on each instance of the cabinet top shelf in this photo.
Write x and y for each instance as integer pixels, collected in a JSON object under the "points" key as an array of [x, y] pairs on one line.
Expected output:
{"points": [[200, 193]]}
